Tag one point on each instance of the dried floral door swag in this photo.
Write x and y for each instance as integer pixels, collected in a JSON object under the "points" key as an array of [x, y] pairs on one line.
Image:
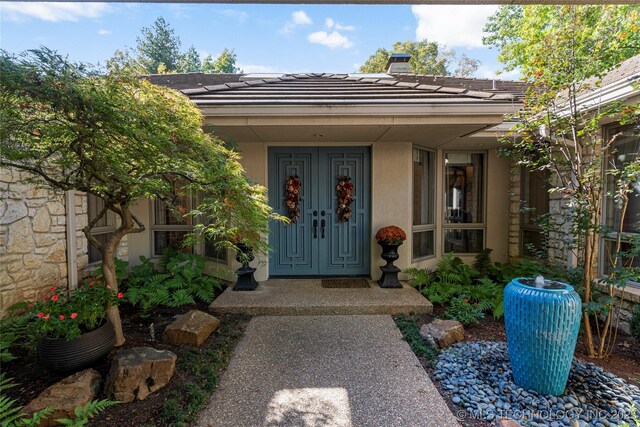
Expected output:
{"points": [[292, 197], [344, 191]]}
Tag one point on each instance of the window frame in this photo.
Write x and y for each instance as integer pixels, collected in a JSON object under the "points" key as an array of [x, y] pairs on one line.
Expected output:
{"points": [[415, 229], [481, 226], [198, 248], [603, 253], [110, 216], [531, 227]]}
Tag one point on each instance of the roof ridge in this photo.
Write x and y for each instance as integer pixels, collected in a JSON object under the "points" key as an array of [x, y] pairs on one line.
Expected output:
{"points": [[482, 94]]}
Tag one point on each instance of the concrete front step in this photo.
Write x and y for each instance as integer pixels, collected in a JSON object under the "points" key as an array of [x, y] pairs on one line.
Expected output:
{"points": [[292, 297]]}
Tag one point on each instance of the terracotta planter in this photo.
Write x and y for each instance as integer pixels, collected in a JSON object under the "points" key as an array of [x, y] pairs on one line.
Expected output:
{"points": [[61, 355]]}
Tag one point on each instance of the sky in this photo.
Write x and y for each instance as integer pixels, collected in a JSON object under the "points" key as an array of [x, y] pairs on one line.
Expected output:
{"points": [[266, 38]]}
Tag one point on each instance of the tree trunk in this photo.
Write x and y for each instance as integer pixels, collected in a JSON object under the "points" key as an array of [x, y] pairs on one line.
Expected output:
{"points": [[109, 272], [586, 281]]}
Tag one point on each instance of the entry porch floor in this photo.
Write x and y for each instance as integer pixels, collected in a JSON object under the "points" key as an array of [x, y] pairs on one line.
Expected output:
{"points": [[287, 297]]}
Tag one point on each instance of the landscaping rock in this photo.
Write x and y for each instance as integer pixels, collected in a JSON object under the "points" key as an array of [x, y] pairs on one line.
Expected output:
{"points": [[443, 332], [76, 390], [479, 375], [137, 372], [192, 328], [508, 422]]}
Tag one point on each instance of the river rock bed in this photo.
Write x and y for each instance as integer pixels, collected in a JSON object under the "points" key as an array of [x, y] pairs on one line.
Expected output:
{"points": [[478, 376]]}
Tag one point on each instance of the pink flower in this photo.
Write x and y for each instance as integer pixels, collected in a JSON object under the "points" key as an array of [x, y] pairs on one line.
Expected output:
{"points": [[46, 316], [120, 294], [53, 288], [99, 282], [91, 283], [40, 314], [108, 287], [54, 298], [466, 300], [61, 317], [74, 315]]}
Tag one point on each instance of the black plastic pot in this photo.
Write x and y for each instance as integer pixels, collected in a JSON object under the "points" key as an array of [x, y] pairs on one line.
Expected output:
{"points": [[61, 355]]}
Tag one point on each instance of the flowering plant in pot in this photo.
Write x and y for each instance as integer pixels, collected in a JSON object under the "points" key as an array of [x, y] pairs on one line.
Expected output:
{"points": [[70, 313], [391, 235], [390, 238], [71, 325]]}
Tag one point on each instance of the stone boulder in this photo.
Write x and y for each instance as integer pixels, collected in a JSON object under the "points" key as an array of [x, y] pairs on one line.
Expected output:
{"points": [[192, 328], [443, 333], [137, 372], [76, 390], [508, 422]]}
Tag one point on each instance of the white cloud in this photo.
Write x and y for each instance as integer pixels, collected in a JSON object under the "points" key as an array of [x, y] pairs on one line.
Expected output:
{"points": [[238, 15], [52, 12], [104, 32], [485, 72], [332, 40], [298, 18], [255, 68], [454, 26], [331, 24]]}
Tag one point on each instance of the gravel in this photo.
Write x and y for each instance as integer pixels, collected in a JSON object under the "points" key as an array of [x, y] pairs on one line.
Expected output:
{"points": [[478, 376]]}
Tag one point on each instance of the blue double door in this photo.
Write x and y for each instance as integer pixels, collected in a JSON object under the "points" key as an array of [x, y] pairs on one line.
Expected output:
{"points": [[318, 243]]}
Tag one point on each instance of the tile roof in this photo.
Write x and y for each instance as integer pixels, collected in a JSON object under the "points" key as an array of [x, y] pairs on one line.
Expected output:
{"points": [[329, 89]]}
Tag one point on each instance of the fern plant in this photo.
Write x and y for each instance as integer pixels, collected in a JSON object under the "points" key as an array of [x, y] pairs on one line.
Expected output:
{"points": [[179, 280], [13, 330], [10, 415], [84, 413], [464, 311]]}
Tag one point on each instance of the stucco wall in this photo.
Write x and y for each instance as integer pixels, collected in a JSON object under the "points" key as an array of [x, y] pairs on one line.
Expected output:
{"points": [[391, 173]]}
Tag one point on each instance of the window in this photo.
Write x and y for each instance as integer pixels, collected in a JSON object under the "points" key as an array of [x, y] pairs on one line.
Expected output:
{"points": [[423, 229], [170, 230], [534, 196], [464, 226], [626, 148], [106, 225]]}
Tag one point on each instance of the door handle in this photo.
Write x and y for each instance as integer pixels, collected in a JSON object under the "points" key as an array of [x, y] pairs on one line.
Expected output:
{"points": [[315, 228], [322, 213], [322, 223]]}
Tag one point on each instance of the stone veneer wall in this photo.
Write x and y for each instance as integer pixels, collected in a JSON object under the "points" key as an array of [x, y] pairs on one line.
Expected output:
{"points": [[33, 241]]}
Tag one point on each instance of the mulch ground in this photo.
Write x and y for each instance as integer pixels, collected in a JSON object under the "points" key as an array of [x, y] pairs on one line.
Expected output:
{"points": [[624, 362], [32, 378]]}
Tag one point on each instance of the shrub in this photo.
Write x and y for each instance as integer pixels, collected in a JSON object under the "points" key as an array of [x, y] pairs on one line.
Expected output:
{"points": [[182, 281], [635, 323]]}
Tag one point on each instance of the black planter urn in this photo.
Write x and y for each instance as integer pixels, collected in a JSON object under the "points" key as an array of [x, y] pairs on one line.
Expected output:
{"points": [[61, 355], [390, 272], [246, 281]]}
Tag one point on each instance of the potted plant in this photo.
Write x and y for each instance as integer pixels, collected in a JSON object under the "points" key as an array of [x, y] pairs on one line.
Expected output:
{"points": [[390, 238], [71, 325], [244, 255]]}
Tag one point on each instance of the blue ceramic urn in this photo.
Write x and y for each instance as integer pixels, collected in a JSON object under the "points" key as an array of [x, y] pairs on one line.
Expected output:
{"points": [[542, 323]]}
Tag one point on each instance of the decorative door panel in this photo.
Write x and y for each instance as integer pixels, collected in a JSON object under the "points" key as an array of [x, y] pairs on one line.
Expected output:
{"points": [[295, 249], [318, 243], [345, 250]]}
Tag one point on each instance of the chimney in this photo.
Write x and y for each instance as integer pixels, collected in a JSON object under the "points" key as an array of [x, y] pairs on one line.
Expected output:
{"points": [[398, 63]]}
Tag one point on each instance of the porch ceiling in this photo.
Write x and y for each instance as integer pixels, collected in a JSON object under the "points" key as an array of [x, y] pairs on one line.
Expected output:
{"points": [[429, 135]]}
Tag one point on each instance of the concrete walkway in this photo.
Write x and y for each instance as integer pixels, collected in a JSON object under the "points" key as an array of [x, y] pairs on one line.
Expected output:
{"points": [[325, 371]]}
